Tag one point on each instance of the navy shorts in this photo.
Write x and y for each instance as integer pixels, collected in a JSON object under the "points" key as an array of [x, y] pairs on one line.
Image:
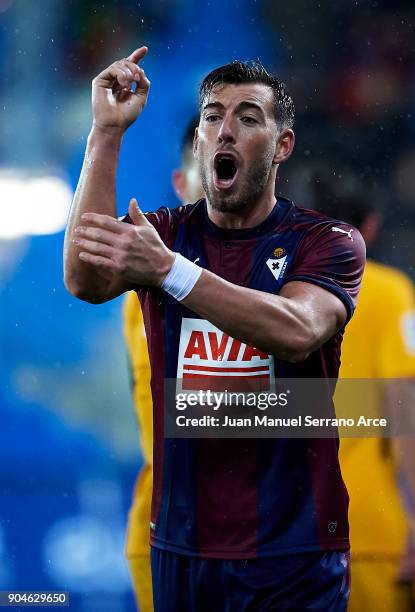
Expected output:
{"points": [[305, 581]]}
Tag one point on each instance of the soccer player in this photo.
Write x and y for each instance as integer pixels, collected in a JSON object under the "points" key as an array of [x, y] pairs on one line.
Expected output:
{"points": [[235, 278], [188, 188], [378, 343]]}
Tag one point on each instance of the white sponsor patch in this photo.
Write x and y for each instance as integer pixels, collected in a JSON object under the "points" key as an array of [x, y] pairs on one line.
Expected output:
{"points": [[277, 266], [205, 352]]}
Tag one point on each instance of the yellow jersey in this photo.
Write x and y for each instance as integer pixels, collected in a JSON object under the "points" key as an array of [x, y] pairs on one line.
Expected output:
{"points": [[379, 342], [138, 533]]}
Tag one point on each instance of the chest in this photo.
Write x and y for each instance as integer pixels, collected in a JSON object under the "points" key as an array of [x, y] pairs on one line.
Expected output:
{"points": [[261, 263]]}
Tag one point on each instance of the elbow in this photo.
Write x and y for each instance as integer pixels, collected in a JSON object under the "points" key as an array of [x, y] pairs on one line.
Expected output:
{"points": [[300, 346], [78, 290]]}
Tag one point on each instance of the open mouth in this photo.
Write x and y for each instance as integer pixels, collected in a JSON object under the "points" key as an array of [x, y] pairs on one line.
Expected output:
{"points": [[225, 170]]}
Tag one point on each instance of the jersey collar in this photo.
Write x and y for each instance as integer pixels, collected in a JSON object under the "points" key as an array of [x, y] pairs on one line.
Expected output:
{"points": [[277, 215]]}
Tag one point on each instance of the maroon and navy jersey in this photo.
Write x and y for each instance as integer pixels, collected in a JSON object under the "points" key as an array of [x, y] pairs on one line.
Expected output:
{"points": [[244, 498]]}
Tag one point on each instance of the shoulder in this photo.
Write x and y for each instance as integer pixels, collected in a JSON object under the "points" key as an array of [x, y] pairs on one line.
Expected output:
{"points": [[385, 282], [314, 221], [327, 235], [131, 304], [167, 220], [387, 276], [172, 217], [132, 310]]}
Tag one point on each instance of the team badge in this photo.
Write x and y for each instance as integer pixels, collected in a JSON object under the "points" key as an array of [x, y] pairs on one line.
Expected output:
{"points": [[278, 252], [277, 266]]}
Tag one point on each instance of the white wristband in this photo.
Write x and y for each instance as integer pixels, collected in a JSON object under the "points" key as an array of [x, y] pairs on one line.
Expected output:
{"points": [[182, 277]]}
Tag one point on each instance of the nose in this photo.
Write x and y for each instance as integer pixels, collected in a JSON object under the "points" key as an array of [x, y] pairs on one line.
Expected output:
{"points": [[227, 130]]}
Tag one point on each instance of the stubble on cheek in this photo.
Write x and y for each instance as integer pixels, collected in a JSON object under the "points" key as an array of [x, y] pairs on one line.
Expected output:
{"points": [[205, 174]]}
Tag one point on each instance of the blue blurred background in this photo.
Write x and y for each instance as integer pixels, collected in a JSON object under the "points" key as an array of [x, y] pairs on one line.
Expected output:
{"points": [[68, 437]]}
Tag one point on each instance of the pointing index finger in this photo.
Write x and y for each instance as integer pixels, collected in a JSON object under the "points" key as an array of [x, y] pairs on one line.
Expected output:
{"points": [[138, 54]]}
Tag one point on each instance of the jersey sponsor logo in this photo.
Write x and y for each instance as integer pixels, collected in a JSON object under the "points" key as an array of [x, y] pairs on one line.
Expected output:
{"points": [[206, 353], [342, 231], [408, 330], [277, 266]]}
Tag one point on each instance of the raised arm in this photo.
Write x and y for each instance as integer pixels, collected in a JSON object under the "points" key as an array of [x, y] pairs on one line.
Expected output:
{"points": [[115, 106]]}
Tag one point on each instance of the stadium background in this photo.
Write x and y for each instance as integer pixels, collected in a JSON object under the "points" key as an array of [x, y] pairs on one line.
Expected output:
{"points": [[68, 438]]}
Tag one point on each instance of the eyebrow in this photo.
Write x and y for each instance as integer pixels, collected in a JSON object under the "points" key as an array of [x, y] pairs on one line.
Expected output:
{"points": [[241, 106]]}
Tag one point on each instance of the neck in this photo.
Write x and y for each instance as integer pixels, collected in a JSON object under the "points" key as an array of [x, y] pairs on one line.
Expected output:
{"points": [[250, 216]]}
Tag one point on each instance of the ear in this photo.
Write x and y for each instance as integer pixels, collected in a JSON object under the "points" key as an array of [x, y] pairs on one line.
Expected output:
{"points": [[285, 146], [196, 143], [370, 227], [178, 179]]}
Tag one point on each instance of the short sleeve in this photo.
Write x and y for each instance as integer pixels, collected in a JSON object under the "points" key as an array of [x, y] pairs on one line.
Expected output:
{"points": [[331, 255]]}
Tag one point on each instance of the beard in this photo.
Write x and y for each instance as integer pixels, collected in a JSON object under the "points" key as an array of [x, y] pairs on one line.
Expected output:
{"points": [[252, 185]]}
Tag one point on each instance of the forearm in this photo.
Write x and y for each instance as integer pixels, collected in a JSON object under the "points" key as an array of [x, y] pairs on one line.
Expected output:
{"points": [[96, 192], [274, 324]]}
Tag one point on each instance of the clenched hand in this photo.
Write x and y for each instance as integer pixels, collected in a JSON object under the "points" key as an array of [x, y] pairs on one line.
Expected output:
{"points": [[114, 103]]}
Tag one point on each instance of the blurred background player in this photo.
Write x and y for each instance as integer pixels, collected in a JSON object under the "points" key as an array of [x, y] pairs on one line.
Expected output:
{"points": [[188, 188], [378, 343]]}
